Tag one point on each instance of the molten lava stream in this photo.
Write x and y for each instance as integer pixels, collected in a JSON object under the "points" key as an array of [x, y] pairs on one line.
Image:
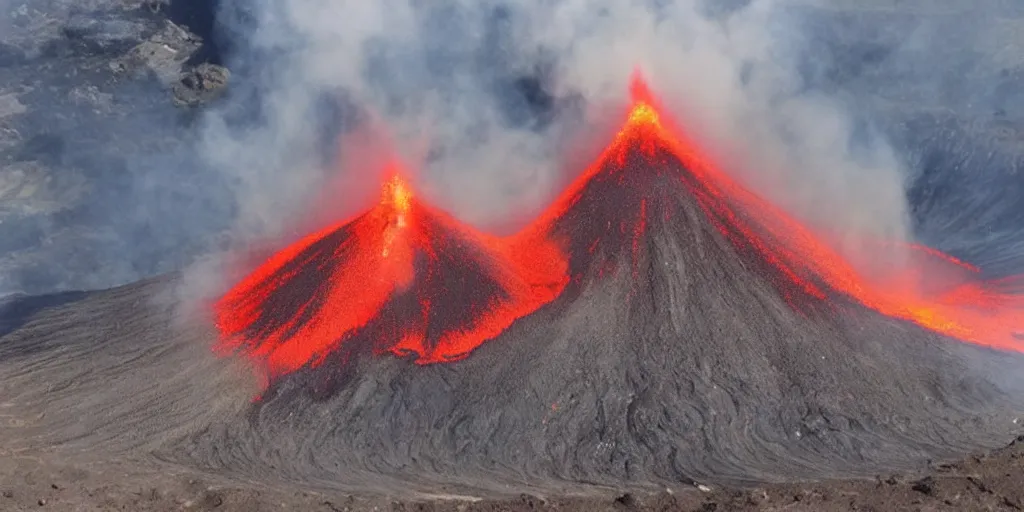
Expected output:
{"points": [[406, 278], [972, 310], [403, 277]]}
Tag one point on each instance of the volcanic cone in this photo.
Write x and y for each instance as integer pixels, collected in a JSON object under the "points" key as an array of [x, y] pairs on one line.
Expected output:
{"points": [[610, 218], [647, 181], [402, 277]]}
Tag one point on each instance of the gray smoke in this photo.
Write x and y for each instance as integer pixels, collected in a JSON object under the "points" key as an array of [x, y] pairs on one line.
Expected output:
{"points": [[496, 103], [837, 112], [443, 77]]}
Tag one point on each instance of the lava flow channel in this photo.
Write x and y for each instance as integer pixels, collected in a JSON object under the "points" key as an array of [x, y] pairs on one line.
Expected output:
{"points": [[650, 158], [404, 277]]}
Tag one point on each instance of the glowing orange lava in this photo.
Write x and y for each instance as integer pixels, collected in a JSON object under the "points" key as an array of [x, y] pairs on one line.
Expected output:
{"points": [[409, 279], [970, 309], [403, 277]]}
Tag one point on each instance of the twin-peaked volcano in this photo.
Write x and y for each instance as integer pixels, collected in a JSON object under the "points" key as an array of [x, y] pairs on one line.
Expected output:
{"points": [[673, 354], [650, 329], [407, 278], [403, 277]]}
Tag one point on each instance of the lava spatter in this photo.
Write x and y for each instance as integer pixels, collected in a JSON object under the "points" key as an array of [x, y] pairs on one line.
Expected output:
{"points": [[403, 277], [603, 216]]}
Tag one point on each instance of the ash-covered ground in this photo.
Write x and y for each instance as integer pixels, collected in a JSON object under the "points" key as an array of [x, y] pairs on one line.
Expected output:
{"points": [[607, 399]]}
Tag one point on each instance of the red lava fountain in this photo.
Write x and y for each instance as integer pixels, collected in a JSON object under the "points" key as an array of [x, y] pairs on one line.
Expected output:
{"points": [[969, 309], [403, 277]]}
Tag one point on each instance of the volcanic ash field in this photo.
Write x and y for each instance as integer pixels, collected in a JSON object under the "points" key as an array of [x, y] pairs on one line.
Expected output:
{"points": [[658, 325]]}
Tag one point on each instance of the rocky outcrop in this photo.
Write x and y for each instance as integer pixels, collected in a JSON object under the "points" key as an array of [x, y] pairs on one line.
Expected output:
{"points": [[90, 92]]}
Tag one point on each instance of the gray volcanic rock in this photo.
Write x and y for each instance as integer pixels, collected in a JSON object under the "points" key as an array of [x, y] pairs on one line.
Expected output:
{"points": [[201, 84], [89, 124]]}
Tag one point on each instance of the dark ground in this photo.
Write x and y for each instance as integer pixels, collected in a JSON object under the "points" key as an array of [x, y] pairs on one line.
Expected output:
{"points": [[112, 403], [152, 422], [989, 482]]}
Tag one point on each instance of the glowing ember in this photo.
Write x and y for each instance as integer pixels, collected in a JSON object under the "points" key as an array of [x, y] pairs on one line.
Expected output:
{"points": [[402, 277], [396, 196]]}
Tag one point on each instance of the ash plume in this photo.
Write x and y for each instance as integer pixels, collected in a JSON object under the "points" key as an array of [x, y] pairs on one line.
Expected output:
{"points": [[839, 114], [456, 81], [497, 102]]}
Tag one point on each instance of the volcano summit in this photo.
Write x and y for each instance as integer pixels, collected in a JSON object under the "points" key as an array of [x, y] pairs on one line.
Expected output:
{"points": [[403, 277]]}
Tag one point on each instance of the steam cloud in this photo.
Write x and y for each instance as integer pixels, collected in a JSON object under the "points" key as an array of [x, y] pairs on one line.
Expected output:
{"points": [[492, 103], [444, 79]]}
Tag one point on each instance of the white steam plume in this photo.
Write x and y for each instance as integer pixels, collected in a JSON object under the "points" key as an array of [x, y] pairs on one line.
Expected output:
{"points": [[430, 70]]}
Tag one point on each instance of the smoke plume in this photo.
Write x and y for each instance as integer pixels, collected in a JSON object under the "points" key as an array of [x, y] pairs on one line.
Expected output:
{"points": [[837, 114], [492, 99], [496, 102]]}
